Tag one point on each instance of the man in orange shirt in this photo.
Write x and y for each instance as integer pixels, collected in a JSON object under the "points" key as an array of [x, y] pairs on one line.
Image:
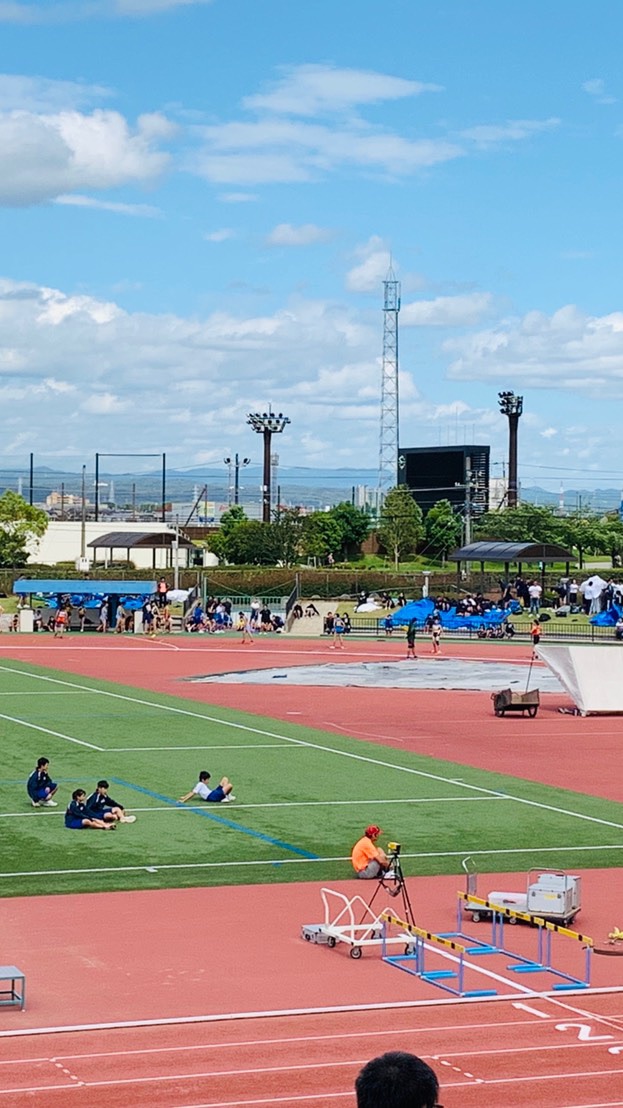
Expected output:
{"points": [[368, 859]]}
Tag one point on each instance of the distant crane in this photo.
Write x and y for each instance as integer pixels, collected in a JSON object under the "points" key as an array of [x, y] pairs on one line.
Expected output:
{"points": [[388, 452]]}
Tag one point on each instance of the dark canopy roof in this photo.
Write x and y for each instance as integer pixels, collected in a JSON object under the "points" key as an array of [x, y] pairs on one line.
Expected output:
{"points": [[511, 552], [126, 540]]}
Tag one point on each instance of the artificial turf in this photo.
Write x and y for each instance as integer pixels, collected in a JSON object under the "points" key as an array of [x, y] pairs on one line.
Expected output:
{"points": [[303, 797]]}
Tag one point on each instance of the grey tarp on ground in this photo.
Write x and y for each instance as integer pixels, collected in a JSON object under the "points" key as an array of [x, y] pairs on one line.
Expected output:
{"points": [[423, 673]]}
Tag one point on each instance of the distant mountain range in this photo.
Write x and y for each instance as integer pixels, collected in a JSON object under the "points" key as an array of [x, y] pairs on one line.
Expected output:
{"points": [[312, 487]]}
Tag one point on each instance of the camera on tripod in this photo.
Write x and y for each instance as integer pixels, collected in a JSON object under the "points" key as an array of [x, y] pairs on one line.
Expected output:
{"points": [[394, 849]]}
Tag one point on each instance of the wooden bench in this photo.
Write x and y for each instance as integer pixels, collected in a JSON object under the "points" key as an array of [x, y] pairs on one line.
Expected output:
{"points": [[16, 994]]}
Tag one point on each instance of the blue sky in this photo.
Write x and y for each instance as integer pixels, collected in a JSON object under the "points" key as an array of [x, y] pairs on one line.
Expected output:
{"points": [[199, 199]]}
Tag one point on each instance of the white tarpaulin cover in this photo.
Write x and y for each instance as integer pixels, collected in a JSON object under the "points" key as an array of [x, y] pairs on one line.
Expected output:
{"points": [[593, 676]]}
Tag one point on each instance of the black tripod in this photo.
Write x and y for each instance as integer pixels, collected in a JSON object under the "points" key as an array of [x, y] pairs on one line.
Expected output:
{"points": [[392, 880]]}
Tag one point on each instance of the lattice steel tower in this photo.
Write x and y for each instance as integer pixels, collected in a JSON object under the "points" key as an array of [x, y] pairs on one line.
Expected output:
{"points": [[388, 453]]}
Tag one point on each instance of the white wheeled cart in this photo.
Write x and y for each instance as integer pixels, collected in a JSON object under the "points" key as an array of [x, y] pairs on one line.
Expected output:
{"points": [[341, 926]]}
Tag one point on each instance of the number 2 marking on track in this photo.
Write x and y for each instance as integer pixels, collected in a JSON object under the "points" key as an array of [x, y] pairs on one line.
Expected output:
{"points": [[585, 1032]]}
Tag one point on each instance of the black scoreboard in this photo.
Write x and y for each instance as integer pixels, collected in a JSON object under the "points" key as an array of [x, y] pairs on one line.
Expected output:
{"points": [[435, 473]]}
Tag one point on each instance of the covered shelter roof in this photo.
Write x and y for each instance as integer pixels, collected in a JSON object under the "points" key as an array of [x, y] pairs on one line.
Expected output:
{"points": [[62, 585], [511, 552], [146, 540]]}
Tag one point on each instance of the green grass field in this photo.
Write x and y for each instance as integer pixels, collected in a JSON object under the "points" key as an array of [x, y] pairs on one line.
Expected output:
{"points": [[304, 796]]}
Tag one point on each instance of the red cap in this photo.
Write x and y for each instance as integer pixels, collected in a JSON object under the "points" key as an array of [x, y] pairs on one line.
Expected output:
{"points": [[372, 831]]}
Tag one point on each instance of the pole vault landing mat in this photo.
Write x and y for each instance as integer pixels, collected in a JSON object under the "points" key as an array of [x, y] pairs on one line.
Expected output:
{"points": [[408, 673]]}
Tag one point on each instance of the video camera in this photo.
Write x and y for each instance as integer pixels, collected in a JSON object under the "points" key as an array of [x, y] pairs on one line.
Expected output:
{"points": [[394, 849]]}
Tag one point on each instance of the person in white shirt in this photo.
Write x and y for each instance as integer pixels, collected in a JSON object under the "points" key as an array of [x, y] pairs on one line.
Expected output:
{"points": [[204, 791], [534, 592]]}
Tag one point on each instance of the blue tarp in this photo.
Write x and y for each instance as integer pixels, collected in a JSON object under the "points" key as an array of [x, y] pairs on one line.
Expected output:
{"points": [[609, 618], [422, 609], [24, 587]]}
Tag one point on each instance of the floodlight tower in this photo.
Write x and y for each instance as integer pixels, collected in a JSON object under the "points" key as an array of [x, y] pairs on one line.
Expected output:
{"points": [[267, 424], [512, 407], [388, 452]]}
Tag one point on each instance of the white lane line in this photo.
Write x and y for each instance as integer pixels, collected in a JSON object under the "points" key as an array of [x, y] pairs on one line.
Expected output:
{"points": [[295, 804], [153, 867], [48, 731], [321, 747], [227, 1017]]}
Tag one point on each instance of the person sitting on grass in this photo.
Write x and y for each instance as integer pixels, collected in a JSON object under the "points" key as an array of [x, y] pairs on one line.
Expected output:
{"points": [[369, 861], [102, 806], [41, 787], [397, 1080], [203, 790], [79, 818]]}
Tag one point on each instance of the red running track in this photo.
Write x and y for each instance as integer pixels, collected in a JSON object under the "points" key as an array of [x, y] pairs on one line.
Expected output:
{"points": [[546, 1053]]}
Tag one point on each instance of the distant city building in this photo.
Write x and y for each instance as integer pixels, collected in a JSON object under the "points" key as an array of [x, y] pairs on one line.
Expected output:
{"points": [[454, 473], [58, 499]]}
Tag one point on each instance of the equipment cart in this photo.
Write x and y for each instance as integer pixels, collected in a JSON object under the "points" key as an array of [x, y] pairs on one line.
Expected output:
{"points": [[340, 925], [553, 896], [509, 701]]}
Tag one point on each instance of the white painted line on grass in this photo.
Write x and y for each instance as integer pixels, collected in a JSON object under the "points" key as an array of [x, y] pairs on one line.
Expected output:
{"points": [[320, 746], [153, 867], [47, 731], [226, 746], [297, 804]]}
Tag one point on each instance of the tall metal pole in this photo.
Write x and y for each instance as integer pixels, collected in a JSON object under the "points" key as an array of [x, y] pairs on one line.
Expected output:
{"points": [[512, 407], [83, 519], [236, 480], [164, 486], [97, 487], [31, 487], [266, 480], [388, 451], [267, 424]]}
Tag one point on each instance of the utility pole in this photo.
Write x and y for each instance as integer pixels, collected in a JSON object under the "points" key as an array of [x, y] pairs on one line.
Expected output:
{"points": [[468, 500]]}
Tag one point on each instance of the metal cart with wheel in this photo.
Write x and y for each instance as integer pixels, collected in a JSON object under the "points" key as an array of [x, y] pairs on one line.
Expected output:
{"points": [[509, 701]]}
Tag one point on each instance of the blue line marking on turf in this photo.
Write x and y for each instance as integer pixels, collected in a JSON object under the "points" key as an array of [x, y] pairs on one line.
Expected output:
{"points": [[217, 819]]}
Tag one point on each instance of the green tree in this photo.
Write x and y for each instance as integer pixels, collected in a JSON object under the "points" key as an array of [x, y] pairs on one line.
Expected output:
{"points": [[583, 531], [526, 523], [288, 534], [354, 525], [442, 527], [401, 527], [251, 543], [20, 524], [321, 535]]}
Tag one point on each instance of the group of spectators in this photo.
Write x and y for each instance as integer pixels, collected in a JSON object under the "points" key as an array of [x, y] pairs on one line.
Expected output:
{"points": [[217, 617], [97, 812]]}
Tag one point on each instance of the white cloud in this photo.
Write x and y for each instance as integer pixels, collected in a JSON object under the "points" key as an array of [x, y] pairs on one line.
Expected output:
{"points": [[44, 156], [288, 151], [42, 94], [237, 197], [102, 403], [549, 433], [69, 11], [513, 130], [75, 200], [68, 355], [448, 311], [567, 350], [372, 266], [596, 87], [221, 235], [284, 234], [310, 90]]}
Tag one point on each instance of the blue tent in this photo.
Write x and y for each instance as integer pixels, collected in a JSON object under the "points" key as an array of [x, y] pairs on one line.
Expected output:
{"points": [[68, 586], [422, 609], [609, 618]]}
